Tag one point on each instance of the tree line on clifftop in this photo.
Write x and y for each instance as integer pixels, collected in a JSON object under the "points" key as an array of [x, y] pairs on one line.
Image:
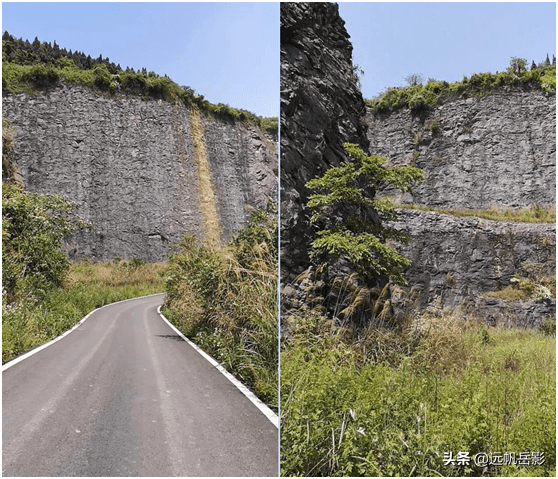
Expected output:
{"points": [[29, 67]]}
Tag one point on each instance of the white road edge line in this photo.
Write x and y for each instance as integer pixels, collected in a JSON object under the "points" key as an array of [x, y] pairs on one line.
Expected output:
{"points": [[13, 362], [241, 387]]}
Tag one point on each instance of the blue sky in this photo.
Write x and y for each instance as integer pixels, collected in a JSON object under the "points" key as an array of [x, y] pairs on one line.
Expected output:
{"points": [[228, 52], [445, 41]]}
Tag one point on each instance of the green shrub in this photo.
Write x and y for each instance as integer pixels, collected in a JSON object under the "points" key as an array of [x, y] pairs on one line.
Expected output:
{"points": [[340, 203], [33, 226], [225, 300]]}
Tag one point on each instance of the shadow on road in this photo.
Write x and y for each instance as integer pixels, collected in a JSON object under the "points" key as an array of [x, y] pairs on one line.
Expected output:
{"points": [[174, 337]]}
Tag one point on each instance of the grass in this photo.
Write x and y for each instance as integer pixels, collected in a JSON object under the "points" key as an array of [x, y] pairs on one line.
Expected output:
{"points": [[225, 299], [375, 402], [418, 96], [207, 201], [34, 79], [528, 214], [88, 286]]}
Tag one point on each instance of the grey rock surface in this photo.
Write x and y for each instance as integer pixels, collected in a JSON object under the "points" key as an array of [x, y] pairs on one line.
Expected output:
{"points": [[321, 108], [129, 165], [457, 259], [495, 151]]}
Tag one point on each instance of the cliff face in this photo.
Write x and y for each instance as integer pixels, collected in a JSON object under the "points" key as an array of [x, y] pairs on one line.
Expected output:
{"points": [[496, 151], [321, 108], [130, 165]]}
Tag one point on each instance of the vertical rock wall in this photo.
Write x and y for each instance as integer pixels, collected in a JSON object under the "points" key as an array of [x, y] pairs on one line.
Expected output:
{"points": [[321, 108], [494, 151], [129, 165]]}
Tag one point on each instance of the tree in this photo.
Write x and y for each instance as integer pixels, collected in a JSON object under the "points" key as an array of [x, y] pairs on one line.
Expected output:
{"points": [[348, 215], [517, 65], [414, 79], [33, 227]]}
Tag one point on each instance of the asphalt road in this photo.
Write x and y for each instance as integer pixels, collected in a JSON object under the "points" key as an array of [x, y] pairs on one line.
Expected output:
{"points": [[123, 395]]}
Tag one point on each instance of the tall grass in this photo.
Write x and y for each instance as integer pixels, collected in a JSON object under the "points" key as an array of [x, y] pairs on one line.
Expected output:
{"points": [[225, 299], [29, 324], [453, 385]]}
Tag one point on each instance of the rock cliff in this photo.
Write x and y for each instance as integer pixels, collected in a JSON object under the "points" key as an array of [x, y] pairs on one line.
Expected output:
{"points": [[129, 163], [321, 108], [494, 151], [498, 151]]}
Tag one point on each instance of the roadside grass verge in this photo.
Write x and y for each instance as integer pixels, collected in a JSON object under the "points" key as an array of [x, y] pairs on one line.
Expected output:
{"points": [[28, 324], [453, 385], [225, 300], [528, 214]]}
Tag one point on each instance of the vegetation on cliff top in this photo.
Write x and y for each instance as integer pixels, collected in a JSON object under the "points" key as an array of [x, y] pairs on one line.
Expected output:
{"points": [[32, 67], [419, 96]]}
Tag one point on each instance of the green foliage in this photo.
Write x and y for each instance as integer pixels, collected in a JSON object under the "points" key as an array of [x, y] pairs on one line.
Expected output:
{"points": [[452, 390], [32, 67], [32, 230], [344, 209], [418, 96], [226, 301]]}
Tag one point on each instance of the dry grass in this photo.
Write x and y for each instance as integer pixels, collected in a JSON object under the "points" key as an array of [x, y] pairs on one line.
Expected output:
{"points": [[115, 275], [207, 201], [528, 214]]}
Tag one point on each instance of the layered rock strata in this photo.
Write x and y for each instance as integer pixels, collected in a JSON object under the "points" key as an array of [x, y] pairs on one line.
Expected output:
{"points": [[129, 165]]}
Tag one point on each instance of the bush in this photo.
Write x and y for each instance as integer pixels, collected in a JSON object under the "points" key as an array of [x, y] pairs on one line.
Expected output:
{"points": [[42, 76], [225, 299], [32, 230]]}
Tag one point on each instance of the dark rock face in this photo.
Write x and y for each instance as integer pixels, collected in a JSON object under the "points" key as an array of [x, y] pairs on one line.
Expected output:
{"points": [[496, 151], [321, 108], [129, 165], [459, 258]]}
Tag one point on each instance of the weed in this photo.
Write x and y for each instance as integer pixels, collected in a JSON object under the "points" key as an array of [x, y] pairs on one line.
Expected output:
{"points": [[463, 386], [225, 299]]}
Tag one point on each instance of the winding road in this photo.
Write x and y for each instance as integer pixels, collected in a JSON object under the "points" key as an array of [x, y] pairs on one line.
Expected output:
{"points": [[124, 395]]}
